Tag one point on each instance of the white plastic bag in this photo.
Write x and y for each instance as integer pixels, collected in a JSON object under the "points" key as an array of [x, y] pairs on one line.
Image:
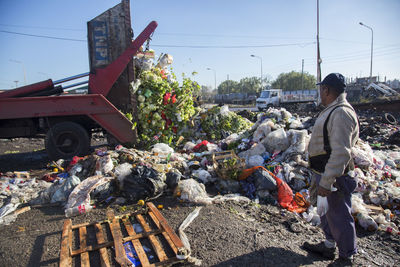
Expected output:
{"points": [[121, 172], [224, 111], [255, 160], [104, 165], [162, 149], [192, 191], [203, 176], [322, 205], [263, 130], [276, 140], [65, 189], [81, 193]]}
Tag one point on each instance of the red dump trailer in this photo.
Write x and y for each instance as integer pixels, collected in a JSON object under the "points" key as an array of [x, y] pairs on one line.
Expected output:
{"points": [[67, 121]]}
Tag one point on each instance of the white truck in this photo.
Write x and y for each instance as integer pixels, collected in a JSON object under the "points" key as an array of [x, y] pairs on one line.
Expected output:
{"points": [[278, 97]]}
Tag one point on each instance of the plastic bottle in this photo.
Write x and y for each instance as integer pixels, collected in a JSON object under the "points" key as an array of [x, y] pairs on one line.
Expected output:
{"points": [[77, 210]]}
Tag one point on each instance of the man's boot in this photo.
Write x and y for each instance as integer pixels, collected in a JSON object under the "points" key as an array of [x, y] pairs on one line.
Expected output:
{"points": [[320, 249]]}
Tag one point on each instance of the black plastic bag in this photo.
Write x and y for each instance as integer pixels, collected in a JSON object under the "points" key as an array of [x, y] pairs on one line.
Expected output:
{"points": [[173, 179], [263, 180], [103, 191], [142, 183]]}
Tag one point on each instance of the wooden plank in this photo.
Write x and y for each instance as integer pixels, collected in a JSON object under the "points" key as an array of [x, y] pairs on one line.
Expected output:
{"points": [[120, 255], [65, 258], [136, 243], [82, 239], [111, 243], [164, 225], [166, 236], [374, 209], [104, 260], [153, 239], [104, 221]]}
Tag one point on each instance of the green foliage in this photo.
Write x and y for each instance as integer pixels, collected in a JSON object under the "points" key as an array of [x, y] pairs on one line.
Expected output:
{"points": [[228, 86], [249, 85], [214, 123], [165, 107], [293, 81]]}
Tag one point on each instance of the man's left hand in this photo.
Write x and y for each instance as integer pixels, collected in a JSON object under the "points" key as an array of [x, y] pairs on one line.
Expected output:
{"points": [[323, 192]]}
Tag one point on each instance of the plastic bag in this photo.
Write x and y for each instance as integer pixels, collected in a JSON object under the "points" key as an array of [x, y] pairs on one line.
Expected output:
{"points": [[142, 183], [276, 140], [81, 193], [122, 171], [162, 150], [173, 178], [257, 149], [65, 189], [186, 253], [296, 124], [366, 222], [192, 191], [104, 165], [203, 176], [322, 205], [256, 160], [224, 111], [362, 155], [263, 180], [263, 130]]}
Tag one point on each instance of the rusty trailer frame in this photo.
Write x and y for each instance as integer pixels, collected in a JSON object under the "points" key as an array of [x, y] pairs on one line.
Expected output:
{"points": [[169, 252]]}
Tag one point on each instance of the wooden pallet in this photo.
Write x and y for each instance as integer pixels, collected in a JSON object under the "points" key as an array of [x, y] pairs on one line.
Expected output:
{"points": [[167, 248]]}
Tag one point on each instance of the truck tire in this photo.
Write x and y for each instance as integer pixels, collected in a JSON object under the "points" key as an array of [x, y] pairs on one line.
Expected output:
{"points": [[66, 140]]}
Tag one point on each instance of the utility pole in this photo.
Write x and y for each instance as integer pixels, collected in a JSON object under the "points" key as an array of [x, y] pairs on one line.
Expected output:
{"points": [[215, 77], [16, 84], [318, 52], [302, 70], [261, 76], [372, 48]]}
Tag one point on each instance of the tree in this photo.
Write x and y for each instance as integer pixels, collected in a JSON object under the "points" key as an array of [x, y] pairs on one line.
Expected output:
{"points": [[293, 81], [228, 86], [249, 85]]}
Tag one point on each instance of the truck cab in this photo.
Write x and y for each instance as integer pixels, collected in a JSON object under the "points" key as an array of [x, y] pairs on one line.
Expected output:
{"points": [[268, 98]]}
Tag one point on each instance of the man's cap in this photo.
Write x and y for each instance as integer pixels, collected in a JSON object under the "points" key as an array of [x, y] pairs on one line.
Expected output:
{"points": [[335, 80]]}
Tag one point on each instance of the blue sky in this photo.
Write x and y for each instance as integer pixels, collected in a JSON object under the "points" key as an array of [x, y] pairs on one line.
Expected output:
{"points": [[286, 30]]}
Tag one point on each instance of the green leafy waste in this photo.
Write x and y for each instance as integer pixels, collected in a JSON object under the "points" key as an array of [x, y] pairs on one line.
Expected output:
{"points": [[216, 125], [165, 107]]}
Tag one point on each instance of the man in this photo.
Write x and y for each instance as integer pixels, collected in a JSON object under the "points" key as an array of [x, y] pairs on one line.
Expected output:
{"points": [[334, 134]]}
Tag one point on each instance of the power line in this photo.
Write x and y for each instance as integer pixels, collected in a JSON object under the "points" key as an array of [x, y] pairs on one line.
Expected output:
{"points": [[155, 45], [235, 46], [40, 27], [44, 36]]}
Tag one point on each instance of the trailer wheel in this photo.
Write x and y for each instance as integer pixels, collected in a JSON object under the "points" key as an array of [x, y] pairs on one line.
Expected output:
{"points": [[67, 139]]}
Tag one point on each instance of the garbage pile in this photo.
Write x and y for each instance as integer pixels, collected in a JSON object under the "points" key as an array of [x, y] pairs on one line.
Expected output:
{"points": [[277, 142], [380, 130], [188, 150]]}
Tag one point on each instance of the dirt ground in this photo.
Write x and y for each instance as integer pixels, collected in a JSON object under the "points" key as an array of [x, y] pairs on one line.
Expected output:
{"points": [[228, 234]]}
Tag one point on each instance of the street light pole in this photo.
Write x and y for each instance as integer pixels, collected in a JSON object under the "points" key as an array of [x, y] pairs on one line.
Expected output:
{"points": [[261, 81], [215, 77], [23, 68], [372, 48]]}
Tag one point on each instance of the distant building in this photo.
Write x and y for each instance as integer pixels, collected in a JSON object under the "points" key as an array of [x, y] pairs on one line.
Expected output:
{"points": [[366, 80], [395, 84]]}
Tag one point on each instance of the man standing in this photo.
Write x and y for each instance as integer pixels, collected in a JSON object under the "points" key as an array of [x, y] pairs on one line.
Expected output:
{"points": [[334, 134]]}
